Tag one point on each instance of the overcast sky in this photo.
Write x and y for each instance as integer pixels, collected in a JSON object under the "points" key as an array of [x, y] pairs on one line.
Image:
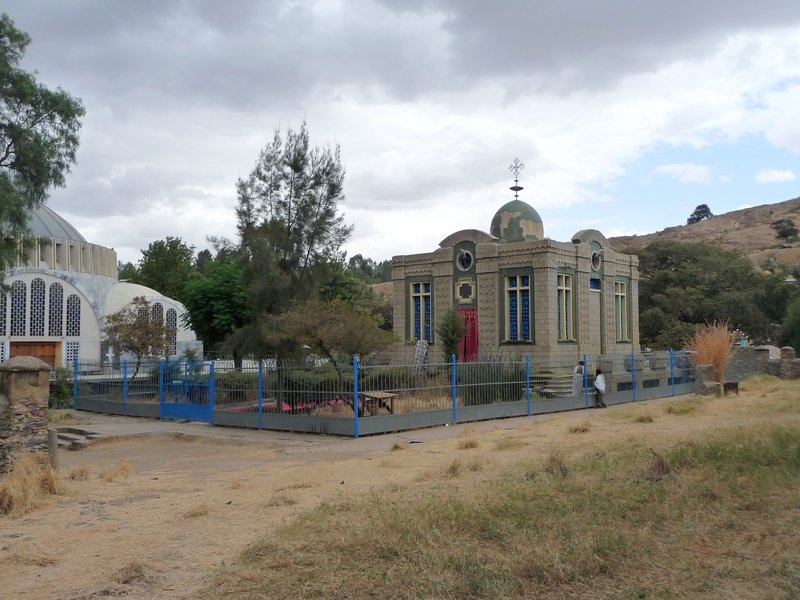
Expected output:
{"points": [[626, 113]]}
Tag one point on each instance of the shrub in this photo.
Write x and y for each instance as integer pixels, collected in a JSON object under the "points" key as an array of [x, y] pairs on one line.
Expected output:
{"points": [[60, 388]]}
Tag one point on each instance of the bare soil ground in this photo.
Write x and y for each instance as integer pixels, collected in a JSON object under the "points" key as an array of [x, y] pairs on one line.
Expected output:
{"points": [[157, 514]]}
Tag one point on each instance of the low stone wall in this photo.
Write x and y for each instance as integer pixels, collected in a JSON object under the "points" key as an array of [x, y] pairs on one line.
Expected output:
{"points": [[24, 392]]}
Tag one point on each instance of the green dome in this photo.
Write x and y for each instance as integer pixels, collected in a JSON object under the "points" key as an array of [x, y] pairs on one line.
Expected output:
{"points": [[517, 222]]}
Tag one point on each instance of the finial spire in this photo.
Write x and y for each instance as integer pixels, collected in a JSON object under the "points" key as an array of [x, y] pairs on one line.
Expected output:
{"points": [[515, 167]]}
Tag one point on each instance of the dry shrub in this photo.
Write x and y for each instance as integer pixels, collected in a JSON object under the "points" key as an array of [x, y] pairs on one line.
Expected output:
{"points": [[26, 484], [454, 469], [467, 444], [80, 473], [398, 446], [581, 428], [109, 474], [713, 345], [658, 468], [644, 419]]}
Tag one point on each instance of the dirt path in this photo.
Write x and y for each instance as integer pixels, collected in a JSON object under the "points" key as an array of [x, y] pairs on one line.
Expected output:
{"points": [[191, 503]]}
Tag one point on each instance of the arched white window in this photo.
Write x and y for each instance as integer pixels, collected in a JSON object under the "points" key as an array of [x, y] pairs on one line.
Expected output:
{"points": [[37, 307], [55, 327], [19, 292]]}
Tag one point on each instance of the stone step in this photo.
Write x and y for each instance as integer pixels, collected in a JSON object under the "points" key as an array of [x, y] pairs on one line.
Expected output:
{"points": [[72, 438]]}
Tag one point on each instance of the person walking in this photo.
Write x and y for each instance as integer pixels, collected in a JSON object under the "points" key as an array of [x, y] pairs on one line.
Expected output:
{"points": [[577, 379], [599, 386]]}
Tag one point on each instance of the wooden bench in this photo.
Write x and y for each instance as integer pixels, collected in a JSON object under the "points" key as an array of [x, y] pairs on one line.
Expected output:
{"points": [[372, 402]]}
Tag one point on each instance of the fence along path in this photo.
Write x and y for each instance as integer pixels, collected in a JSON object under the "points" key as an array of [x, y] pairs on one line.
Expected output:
{"points": [[360, 399]]}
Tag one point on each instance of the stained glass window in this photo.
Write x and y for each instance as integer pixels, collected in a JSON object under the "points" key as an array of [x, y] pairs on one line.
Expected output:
{"points": [[19, 292], [566, 326], [518, 308], [73, 316], [421, 310], [55, 326], [37, 307]]}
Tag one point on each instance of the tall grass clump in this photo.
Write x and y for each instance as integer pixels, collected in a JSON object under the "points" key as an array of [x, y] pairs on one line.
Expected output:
{"points": [[26, 485], [713, 345]]}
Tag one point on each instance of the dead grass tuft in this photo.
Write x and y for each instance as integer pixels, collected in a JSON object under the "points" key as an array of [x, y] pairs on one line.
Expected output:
{"points": [[30, 554], [454, 469], [713, 344], [120, 470], [658, 468], [198, 511], [475, 465], [281, 500], [399, 446], [27, 484], [62, 417], [133, 572], [80, 473], [468, 444], [580, 428], [682, 407], [509, 443], [555, 466], [644, 419]]}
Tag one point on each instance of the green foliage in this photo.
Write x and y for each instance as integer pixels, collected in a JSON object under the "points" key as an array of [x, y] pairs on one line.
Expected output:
{"points": [[450, 328], [785, 229], [791, 324], [235, 387], [166, 266], [60, 388], [683, 286], [127, 272], [700, 213], [485, 383], [216, 303], [335, 329], [369, 271], [38, 139], [288, 220]]}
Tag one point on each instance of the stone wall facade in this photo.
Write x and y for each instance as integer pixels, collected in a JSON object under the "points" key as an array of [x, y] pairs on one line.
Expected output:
{"points": [[24, 392]]}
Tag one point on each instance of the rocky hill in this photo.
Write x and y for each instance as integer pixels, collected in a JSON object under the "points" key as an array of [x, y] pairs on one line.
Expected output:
{"points": [[748, 231]]}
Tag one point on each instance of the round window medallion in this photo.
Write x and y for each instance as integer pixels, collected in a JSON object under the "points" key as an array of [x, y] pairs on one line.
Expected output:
{"points": [[596, 261], [464, 260]]}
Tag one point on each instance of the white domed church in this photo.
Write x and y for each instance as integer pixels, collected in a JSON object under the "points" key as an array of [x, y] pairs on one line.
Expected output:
{"points": [[60, 291], [520, 292]]}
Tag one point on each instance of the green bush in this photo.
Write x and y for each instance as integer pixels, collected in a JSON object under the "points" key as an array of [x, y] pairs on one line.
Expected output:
{"points": [[60, 388], [490, 383], [235, 387]]}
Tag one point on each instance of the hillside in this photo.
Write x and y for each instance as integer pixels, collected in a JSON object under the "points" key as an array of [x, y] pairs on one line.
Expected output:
{"points": [[748, 230]]}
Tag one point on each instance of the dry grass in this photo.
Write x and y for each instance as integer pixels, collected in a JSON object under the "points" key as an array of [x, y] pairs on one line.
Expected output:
{"points": [[580, 428], [80, 473], [712, 518], [62, 417], [27, 484], [509, 443], [644, 419], [398, 446], [713, 344], [280, 500], [454, 469], [119, 471], [682, 407], [201, 510], [467, 444], [30, 554], [133, 572]]}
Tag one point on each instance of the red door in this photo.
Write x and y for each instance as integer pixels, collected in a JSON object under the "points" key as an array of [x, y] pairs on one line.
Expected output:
{"points": [[469, 343]]}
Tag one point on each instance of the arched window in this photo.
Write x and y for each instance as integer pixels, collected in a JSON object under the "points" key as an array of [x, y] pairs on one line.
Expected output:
{"points": [[37, 307], [19, 292], [3, 315], [157, 313], [172, 332], [73, 316], [55, 327]]}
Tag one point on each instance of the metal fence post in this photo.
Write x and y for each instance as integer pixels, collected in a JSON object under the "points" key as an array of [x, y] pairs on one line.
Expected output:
{"points": [[161, 389], [260, 390], [528, 381], [355, 396], [672, 370], [75, 382], [211, 390], [453, 384], [633, 374], [125, 388], [585, 382]]}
